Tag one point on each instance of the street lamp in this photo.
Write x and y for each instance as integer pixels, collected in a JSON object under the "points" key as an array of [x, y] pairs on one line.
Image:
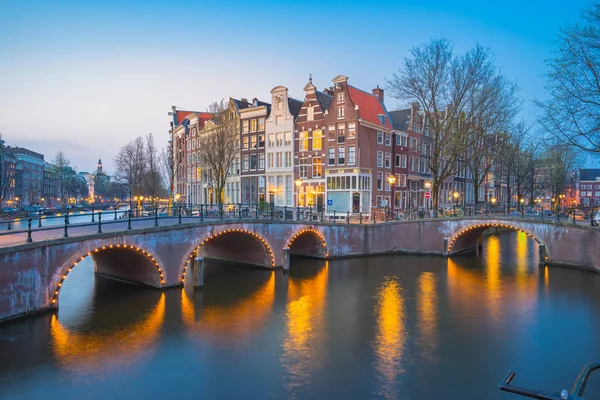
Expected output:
{"points": [[521, 200], [17, 201], [298, 183], [427, 200], [392, 181]]}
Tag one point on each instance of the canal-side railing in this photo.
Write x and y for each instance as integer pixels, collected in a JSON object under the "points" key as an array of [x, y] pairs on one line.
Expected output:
{"points": [[144, 217]]}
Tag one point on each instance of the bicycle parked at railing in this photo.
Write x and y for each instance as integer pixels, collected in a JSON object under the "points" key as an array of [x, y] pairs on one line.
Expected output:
{"points": [[451, 212], [576, 392]]}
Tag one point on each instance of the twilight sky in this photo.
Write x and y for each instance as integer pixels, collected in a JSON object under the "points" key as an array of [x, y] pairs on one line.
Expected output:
{"points": [[87, 77]]}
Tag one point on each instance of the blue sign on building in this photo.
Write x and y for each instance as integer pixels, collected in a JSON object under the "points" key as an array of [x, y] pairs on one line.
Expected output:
{"points": [[329, 202]]}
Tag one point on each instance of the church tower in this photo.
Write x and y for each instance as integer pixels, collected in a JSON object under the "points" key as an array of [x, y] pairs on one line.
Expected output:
{"points": [[99, 166]]}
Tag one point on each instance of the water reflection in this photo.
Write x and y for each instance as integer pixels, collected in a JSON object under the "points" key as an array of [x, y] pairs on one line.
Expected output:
{"points": [[390, 336], [509, 254], [96, 350], [234, 304], [427, 308], [303, 350]]}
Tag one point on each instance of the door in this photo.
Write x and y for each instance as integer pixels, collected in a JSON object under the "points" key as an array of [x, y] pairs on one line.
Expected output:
{"points": [[355, 202]]}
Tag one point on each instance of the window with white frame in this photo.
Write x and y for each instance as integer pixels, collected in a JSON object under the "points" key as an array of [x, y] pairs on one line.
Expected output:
{"points": [[317, 171], [340, 97], [261, 161], [331, 156], [351, 155], [340, 112], [288, 138], [331, 135], [411, 163], [310, 113], [380, 181], [351, 130], [271, 140], [380, 159], [388, 139], [388, 160], [279, 159], [403, 180], [261, 124], [278, 120], [270, 162], [245, 162], [379, 201], [253, 161], [417, 164], [398, 160], [379, 137], [303, 141], [288, 159], [279, 142], [253, 125], [341, 155], [317, 142], [303, 167]]}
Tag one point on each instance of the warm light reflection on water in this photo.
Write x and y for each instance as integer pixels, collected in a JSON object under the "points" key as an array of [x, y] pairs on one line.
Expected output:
{"points": [[390, 336], [427, 306], [228, 323], [96, 350], [304, 320]]}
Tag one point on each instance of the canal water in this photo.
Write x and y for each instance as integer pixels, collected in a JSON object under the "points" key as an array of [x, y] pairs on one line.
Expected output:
{"points": [[389, 327]]}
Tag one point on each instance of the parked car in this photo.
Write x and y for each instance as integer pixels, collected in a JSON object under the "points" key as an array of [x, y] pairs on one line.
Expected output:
{"points": [[8, 210], [578, 215]]}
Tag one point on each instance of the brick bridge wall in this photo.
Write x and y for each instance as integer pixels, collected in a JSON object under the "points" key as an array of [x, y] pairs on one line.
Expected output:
{"points": [[31, 274]]}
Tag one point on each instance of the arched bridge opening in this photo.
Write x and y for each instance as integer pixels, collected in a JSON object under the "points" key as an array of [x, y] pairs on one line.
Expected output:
{"points": [[470, 238], [308, 243], [126, 263]]}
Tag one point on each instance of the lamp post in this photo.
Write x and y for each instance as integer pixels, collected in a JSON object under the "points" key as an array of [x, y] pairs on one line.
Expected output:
{"points": [[427, 200], [298, 183], [392, 181], [455, 195], [493, 200], [17, 201], [521, 200], [177, 197]]}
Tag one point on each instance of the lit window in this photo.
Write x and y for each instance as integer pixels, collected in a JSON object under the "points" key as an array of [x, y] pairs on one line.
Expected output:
{"points": [[317, 142], [317, 168], [340, 112], [253, 125], [303, 142]]}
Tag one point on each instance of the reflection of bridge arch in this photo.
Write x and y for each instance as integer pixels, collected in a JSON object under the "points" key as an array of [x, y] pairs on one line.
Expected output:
{"points": [[467, 238], [249, 248], [113, 260], [308, 242], [87, 350]]}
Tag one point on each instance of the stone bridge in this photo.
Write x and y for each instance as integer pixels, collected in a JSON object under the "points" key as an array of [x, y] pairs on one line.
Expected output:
{"points": [[32, 274]]}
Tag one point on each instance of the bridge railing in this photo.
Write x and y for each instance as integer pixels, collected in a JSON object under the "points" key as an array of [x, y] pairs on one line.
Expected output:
{"points": [[39, 226]]}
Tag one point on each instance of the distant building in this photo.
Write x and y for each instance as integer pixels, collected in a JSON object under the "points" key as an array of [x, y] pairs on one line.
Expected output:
{"points": [[29, 175], [50, 184], [253, 178], [589, 187]]}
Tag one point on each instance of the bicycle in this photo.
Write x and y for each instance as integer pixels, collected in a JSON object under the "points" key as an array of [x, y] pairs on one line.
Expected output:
{"points": [[575, 394], [451, 212]]}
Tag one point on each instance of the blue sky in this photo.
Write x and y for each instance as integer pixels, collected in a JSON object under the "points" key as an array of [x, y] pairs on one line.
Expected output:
{"points": [[86, 77]]}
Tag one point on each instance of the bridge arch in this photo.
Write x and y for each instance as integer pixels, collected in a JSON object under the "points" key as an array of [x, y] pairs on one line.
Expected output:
{"points": [[102, 255], [307, 242], [467, 238], [254, 249]]}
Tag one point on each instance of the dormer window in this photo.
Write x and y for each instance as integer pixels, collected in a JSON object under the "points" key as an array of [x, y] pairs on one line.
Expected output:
{"points": [[382, 119], [340, 97]]}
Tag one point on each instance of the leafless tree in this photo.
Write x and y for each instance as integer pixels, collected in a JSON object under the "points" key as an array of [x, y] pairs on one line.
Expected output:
{"points": [[130, 166], [449, 90], [219, 141], [572, 112], [7, 172], [494, 106], [62, 172], [154, 179]]}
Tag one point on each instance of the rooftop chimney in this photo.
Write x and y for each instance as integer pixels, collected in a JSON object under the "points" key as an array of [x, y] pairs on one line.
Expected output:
{"points": [[378, 92], [245, 100], [255, 102]]}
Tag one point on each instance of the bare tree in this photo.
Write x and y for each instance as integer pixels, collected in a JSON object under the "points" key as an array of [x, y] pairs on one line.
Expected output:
{"points": [[60, 166], [494, 106], [154, 179], [219, 142], [7, 172], [446, 87], [130, 166], [572, 112]]}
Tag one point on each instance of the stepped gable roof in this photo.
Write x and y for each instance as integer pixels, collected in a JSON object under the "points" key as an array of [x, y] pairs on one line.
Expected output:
{"points": [[400, 119], [324, 100], [589, 174], [295, 106], [369, 106]]}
